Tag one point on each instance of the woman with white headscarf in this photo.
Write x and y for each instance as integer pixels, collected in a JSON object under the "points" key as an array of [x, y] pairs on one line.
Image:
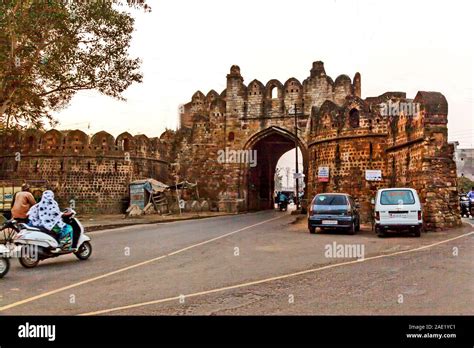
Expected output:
{"points": [[46, 214]]}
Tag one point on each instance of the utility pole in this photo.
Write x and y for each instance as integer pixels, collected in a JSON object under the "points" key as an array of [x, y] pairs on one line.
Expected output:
{"points": [[176, 175], [297, 198]]}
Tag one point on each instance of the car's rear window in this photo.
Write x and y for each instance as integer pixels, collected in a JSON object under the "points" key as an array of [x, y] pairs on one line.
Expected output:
{"points": [[330, 200], [395, 197]]}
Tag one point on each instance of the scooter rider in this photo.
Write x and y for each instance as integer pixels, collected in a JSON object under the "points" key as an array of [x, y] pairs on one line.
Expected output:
{"points": [[470, 195], [282, 200], [46, 214], [22, 203]]}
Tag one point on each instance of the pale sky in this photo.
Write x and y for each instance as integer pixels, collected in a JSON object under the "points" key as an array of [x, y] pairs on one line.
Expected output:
{"points": [[190, 45]]}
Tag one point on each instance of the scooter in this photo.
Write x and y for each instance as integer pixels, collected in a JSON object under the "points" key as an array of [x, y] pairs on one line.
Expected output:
{"points": [[283, 205], [40, 244]]}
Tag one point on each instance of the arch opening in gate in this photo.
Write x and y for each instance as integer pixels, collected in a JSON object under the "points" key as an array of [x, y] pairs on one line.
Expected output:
{"points": [[270, 146]]}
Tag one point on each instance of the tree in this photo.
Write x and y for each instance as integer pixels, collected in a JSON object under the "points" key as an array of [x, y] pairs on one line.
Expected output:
{"points": [[465, 184], [51, 49], [278, 180], [287, 171]]}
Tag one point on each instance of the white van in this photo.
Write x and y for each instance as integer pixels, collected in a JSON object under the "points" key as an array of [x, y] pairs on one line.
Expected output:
{"points": [[398, 209]]}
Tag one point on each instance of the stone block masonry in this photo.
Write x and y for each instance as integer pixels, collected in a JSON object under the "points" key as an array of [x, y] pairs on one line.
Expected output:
{"points": [[403, 138], [94, 172]]}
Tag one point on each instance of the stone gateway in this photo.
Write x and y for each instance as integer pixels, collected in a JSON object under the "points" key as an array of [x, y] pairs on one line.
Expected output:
{"points": [[230, 142], [403, 139]]}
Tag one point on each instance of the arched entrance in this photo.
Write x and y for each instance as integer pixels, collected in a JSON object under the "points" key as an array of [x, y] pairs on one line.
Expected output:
{"points": [[269, 144]]}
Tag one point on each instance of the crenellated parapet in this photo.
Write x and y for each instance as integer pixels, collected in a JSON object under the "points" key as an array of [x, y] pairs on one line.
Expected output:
{"points": [[271, 100], [92, 171], [354, 118], [69, 143]]}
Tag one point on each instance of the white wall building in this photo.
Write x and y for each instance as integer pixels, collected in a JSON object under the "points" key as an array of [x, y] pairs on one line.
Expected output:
{"points": [[464, 159]]}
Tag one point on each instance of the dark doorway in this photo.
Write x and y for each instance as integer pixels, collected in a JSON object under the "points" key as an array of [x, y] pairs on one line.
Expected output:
{"points": [[261, 183]]}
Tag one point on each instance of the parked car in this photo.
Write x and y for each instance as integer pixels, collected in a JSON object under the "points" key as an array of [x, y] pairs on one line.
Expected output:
{"points": [[398, 209], [331, 211]]}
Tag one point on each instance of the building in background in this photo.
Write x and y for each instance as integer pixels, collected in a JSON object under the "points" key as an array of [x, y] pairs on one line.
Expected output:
{"points": [[464, 159]]}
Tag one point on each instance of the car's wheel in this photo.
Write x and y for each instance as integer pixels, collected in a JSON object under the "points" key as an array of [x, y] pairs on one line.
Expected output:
{"points": [[418, 232], [84, 251], [380, 233], [28, 258], [4, 266], [352, 229], [312, 229]]}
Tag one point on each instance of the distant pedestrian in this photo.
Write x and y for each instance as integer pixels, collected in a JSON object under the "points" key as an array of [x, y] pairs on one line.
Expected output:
{"points": [[21, 204], [471, 193]]}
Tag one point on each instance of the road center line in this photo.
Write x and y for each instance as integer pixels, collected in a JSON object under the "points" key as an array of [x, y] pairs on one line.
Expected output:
{"points": [[90, 280], [158, 223], [284, 276]]}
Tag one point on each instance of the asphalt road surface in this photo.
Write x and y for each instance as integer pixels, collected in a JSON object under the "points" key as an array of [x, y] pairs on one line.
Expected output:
{"points": [[257, 263]]}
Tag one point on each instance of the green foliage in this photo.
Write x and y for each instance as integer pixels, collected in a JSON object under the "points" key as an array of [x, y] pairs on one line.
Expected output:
{"points": [[278, 180], [464, 184], [51, 49]]}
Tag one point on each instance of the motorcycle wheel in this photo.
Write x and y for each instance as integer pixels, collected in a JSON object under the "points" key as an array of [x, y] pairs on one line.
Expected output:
{"points": [[4, 266], [84, 251], [27, 259]]}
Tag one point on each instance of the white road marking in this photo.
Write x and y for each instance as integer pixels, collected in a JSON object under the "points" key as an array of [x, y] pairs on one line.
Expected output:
{"points": [[285, 276], [126, 228], [154, 224], [90, 280]]}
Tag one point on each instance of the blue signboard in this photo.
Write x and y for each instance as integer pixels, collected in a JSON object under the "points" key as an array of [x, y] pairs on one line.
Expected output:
{"points": [[137, 195]]}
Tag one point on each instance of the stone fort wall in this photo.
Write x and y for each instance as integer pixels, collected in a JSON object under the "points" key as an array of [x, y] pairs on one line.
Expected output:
{"points": [[93, 171]]}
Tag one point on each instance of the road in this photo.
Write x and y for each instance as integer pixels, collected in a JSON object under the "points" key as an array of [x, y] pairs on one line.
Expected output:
{"points": [[256, 263]]}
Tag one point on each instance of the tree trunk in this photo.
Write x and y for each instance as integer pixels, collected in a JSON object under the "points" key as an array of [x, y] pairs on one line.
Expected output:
{"points": [[3, 108]]}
